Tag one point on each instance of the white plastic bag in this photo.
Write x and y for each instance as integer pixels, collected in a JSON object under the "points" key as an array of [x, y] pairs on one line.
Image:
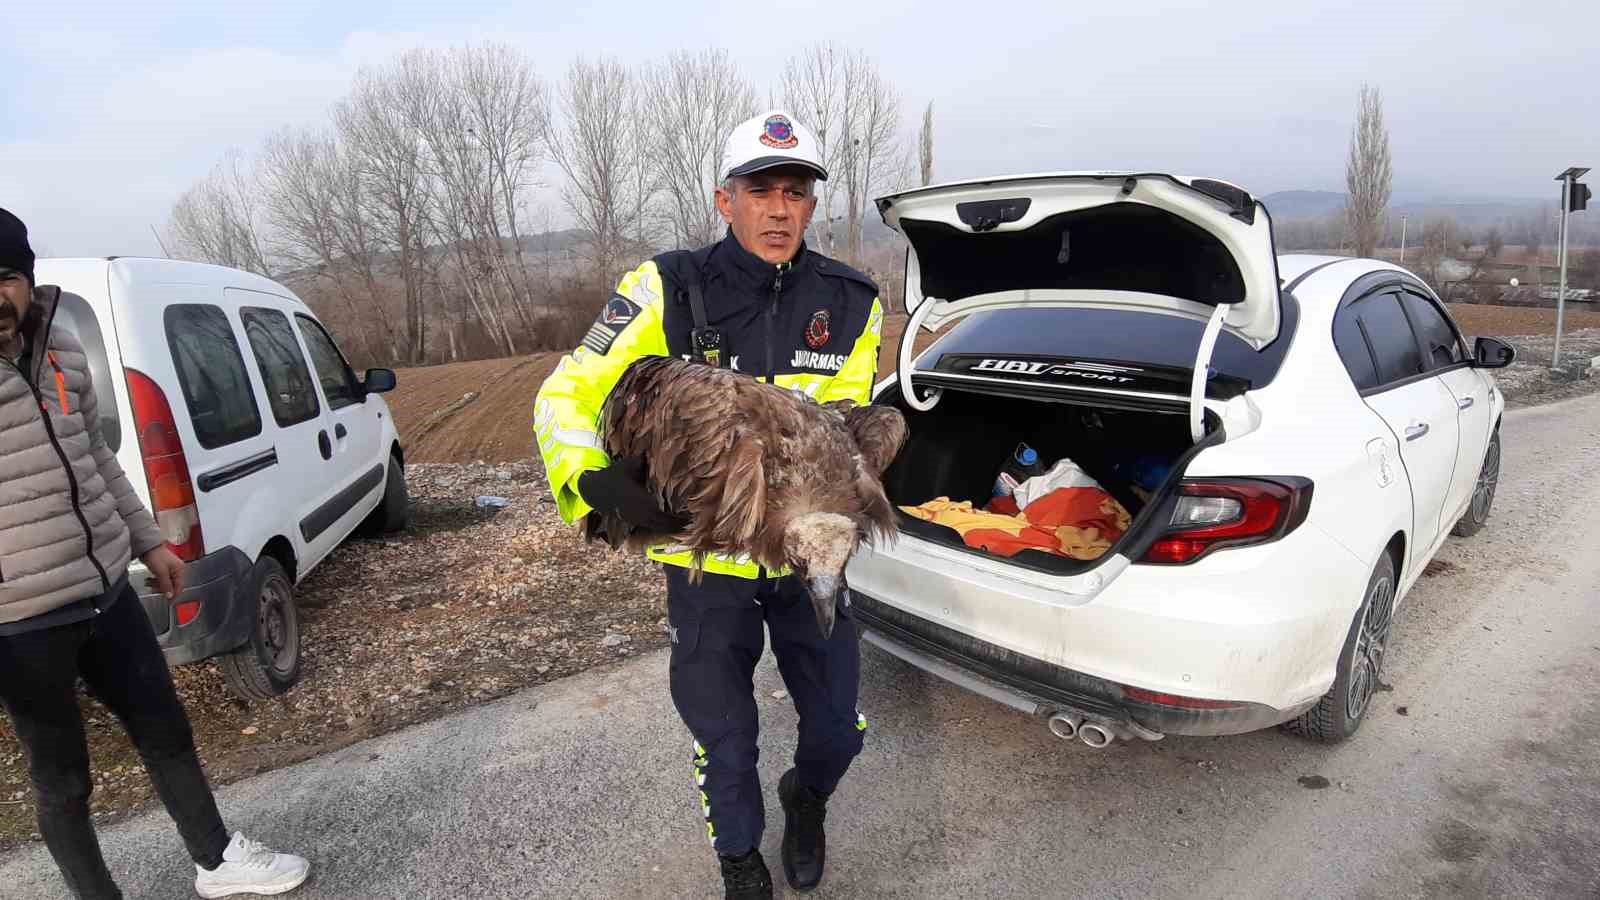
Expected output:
{"points": [[1064, 474]]}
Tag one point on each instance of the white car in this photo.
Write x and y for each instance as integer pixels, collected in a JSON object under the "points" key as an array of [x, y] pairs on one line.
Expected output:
{"points": [[244, 430], [1292, 437]]}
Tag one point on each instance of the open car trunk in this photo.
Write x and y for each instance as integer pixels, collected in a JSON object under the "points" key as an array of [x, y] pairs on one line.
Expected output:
{"points": [[956, 450]]}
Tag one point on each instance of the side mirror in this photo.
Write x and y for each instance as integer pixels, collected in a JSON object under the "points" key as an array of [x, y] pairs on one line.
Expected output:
{"points": [[378, 381], [1492, 353]]}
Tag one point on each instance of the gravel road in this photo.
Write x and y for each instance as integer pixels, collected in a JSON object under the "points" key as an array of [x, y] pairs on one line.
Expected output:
{"points": [[1475, 776]]}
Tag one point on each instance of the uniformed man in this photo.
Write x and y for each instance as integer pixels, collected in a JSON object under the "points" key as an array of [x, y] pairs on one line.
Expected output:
{"points": [[759, 302]]}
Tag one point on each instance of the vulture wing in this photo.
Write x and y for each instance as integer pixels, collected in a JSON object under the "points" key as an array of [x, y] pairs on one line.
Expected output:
{"points": [[700, 433], [880, 432]]}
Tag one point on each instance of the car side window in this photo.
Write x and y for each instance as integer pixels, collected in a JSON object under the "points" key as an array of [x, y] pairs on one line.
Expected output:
{"points": [[1388, 332], [338, 382], [211, 372], [1441, 346], [1354, 350], [281, 364]]}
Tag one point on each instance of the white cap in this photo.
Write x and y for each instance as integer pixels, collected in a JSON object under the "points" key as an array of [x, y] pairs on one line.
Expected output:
{"points": [[771, 139]]}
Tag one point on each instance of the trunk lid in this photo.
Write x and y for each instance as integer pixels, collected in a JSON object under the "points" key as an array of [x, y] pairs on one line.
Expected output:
{"points": [[1173, 245]]}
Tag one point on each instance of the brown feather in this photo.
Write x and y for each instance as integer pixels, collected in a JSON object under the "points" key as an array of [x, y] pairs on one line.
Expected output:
{"points": [[741, 459]]}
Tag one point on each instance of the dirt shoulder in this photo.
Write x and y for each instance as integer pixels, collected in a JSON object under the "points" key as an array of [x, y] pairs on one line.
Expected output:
{"points": [[466, 605], [474, 603]]}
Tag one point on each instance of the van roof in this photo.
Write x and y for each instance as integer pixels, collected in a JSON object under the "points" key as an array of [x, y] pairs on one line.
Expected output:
{"points": [[146, 269]]}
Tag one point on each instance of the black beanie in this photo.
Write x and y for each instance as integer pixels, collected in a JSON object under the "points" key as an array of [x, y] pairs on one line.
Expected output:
{"points": [[14, 250]]}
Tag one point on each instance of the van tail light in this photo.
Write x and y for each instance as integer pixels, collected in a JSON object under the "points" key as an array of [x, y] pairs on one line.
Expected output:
{"points": [[1213, 513], [166, 470]]}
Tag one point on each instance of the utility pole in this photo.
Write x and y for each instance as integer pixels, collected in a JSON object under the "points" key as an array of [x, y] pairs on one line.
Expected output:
{"points": [[1573, 196], [1403, 239]]}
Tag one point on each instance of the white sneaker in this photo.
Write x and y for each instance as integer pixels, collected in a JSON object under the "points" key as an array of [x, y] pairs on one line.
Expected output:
{"points": [[249, 868]]}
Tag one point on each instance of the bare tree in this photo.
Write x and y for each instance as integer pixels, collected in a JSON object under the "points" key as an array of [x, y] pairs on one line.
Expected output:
{"points": [[319, 233], [873, 155], [218, 220], [598, 150], [1438, 240], [697, 98], [855, 113], [378, 125], [1367, 173], [925, 145], [1494, 243], [815, 91]]}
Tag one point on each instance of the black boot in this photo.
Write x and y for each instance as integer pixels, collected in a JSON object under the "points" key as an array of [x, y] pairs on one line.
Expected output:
{"points": [[746, 877], [805, 846]]}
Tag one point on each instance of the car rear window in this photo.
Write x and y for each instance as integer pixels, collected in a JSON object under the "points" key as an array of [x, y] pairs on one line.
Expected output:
{"points": [[211, 372], [1113, 335]]}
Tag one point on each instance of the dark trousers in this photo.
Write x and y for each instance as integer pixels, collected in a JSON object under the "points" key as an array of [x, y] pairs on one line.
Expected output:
{"points": [[117, 655], [716, 642]]}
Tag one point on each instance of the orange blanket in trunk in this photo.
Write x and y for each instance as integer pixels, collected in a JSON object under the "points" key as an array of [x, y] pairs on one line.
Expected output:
{"points": [[1078, 522]]}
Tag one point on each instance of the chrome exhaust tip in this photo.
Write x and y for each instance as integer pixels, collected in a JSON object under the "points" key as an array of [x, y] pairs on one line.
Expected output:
{"points": [[1064, 725], [1094, 735]]}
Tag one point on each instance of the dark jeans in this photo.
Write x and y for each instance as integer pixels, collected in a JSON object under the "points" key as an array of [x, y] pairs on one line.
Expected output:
{"points": [[117, 655], [717, 640]]}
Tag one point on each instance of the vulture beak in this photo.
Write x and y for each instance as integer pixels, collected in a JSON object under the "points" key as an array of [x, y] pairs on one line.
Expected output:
{"points": [[824, 591]]}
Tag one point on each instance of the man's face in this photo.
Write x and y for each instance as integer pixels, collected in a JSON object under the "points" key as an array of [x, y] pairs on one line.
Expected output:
{"points": [[769, 212], [15, 295]]}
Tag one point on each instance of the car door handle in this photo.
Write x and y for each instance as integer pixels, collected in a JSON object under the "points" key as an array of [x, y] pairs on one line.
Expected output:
{"points": [[339, 431], [1416, 431], [1465, 402], [324, 445]]}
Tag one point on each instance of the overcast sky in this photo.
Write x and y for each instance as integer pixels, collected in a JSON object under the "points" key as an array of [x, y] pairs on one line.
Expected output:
{"points": [[110, 109]]}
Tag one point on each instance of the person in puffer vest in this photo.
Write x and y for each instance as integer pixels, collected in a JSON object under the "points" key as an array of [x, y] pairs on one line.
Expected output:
{"points": [[70, 523]]}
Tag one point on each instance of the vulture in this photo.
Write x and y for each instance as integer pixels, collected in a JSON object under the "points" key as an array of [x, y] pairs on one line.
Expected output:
{"points": [[755, 469]]}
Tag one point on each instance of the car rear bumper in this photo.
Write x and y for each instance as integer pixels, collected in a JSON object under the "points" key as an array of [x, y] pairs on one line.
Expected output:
{"points": [[1039, 688], [1238, 641], [226, 615]]}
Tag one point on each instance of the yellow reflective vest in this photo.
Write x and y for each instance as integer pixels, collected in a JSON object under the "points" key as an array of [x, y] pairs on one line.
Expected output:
{"points": [[813, 326]]}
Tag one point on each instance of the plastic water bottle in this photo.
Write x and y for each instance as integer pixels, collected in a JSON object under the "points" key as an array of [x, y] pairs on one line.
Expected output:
{"points": [[1023, 464]]}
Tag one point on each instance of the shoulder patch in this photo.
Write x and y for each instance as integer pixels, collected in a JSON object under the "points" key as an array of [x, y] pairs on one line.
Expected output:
{"points": [[619, 311], [613, 318]]}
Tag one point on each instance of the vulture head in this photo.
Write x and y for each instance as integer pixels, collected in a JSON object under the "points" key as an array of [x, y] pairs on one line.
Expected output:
{"points": [[757, 470]]}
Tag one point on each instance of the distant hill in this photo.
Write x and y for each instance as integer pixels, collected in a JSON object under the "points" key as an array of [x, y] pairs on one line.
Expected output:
{"points": [[1469, 211], [1303, 204]]}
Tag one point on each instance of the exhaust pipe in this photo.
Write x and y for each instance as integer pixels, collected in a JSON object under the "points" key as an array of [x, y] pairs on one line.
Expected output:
{"points": [[1094, 735], [1064, 725]]}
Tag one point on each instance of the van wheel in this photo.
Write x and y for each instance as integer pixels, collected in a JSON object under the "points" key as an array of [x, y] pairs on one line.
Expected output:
{"points": [[268, 664], [1340, 711], [393, 512], [1477, 514]]}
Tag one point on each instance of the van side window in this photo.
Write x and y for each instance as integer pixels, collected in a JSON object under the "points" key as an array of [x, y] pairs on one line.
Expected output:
{"points": [[216, 387], [74, 314], [338, 382], [281, 364]]}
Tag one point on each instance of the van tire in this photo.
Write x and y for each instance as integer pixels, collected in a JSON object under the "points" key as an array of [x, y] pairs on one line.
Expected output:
{"points": [[268, 664], [1330, 720], [393, 512]]}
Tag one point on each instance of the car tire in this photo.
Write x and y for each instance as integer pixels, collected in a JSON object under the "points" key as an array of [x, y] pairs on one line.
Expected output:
{"points": [[1477, 514], [268, 664], [1341, 711], [393, 512]]}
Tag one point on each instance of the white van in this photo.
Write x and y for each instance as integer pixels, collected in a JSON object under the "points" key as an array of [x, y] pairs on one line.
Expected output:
{"points": [[246, 433]]}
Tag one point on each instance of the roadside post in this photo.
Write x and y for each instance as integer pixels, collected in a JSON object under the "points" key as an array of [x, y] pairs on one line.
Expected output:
{"points": [[1574, 197]]}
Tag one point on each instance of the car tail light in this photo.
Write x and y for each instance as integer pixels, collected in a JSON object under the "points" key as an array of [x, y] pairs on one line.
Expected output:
{"points": [[1215, 513], [166, 470], [1157, 698]]}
